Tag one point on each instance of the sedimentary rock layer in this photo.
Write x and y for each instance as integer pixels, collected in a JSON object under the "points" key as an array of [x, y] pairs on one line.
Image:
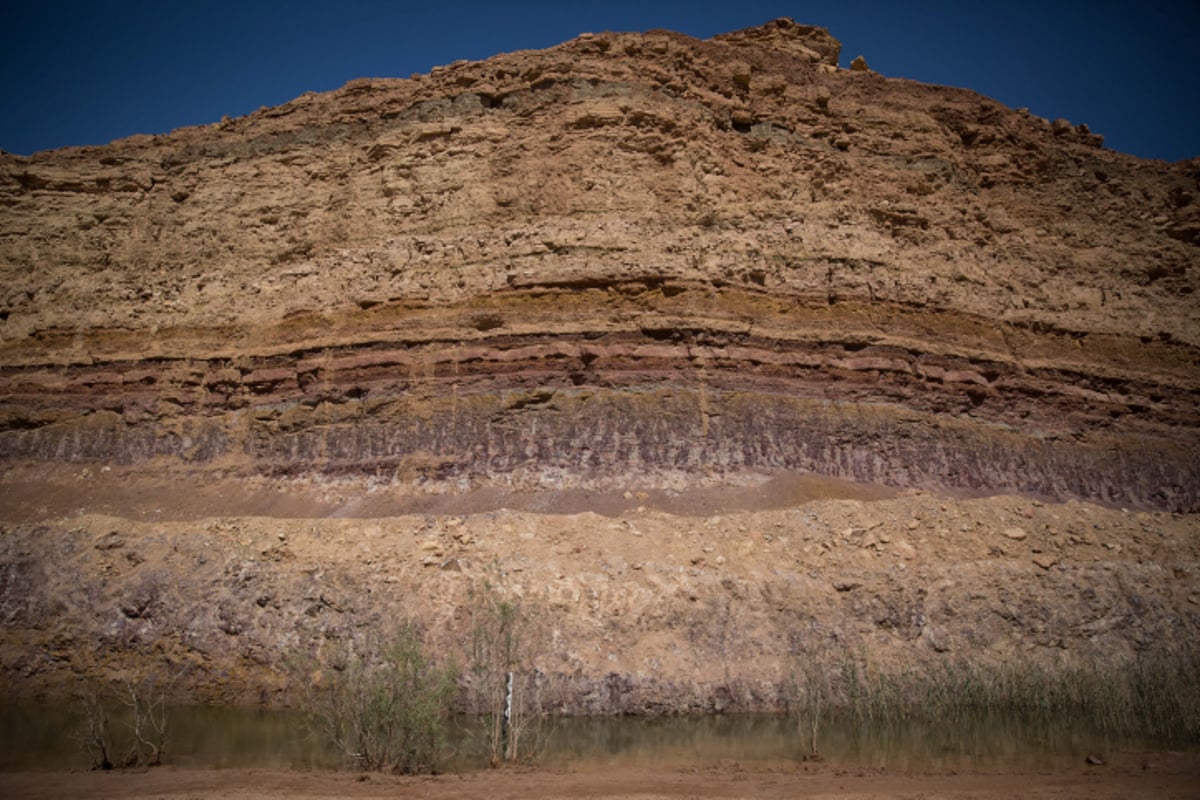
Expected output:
{"points": [[626, 256]]}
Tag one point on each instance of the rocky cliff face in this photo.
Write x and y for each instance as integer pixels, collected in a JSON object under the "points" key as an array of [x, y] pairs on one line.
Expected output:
{"points": [[659, 278], [623, 259]]}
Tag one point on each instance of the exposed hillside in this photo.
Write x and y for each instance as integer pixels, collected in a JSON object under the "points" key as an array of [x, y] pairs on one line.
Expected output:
{"points": [[553, 280], [626, 254]]}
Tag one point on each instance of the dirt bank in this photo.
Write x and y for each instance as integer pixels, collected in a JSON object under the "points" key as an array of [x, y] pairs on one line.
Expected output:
{"points": [[1170, 775]]}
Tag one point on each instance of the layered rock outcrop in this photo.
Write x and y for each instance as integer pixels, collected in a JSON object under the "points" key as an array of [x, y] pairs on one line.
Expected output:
{"points": [[622, 260], [690, 285]]}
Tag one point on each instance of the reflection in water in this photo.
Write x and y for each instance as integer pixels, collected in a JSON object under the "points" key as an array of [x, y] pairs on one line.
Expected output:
{"points": [[50, 736], [907, 744], [44, 737]]}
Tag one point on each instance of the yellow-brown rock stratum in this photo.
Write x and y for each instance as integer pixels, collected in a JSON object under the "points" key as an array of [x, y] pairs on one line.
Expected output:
{"points": [[616, 271]]}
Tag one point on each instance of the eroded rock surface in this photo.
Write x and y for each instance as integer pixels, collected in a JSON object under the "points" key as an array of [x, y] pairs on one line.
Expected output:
{"points": [[632, 262], [626, 254], [644, 612]]}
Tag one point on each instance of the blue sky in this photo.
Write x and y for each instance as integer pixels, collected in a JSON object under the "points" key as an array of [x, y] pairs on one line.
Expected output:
{"points": [[74, 73]]}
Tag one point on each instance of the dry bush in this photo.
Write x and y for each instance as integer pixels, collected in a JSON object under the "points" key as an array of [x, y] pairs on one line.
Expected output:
{"points": [[126, 722], [384, 706], [508, 633]]}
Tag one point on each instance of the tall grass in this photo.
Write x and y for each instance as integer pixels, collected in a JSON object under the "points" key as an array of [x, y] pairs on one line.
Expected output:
{"points": [[1153, 696]]}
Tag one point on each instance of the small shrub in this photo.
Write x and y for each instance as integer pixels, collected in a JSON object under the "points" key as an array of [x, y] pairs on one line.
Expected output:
{"points": [[507, 634], [813, 702], [126, 723], [384, 707]]}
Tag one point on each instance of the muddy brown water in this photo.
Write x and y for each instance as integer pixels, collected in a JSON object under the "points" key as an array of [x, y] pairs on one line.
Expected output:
{"points": [[48, 737]]}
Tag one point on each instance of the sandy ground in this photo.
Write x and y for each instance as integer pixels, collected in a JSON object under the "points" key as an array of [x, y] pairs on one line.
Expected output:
{"points": [[1165, 775]]}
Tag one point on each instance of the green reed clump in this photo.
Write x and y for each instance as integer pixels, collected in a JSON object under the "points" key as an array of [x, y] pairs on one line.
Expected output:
{"points": [[1162, 690], [1155, 695], [873, 694]]}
